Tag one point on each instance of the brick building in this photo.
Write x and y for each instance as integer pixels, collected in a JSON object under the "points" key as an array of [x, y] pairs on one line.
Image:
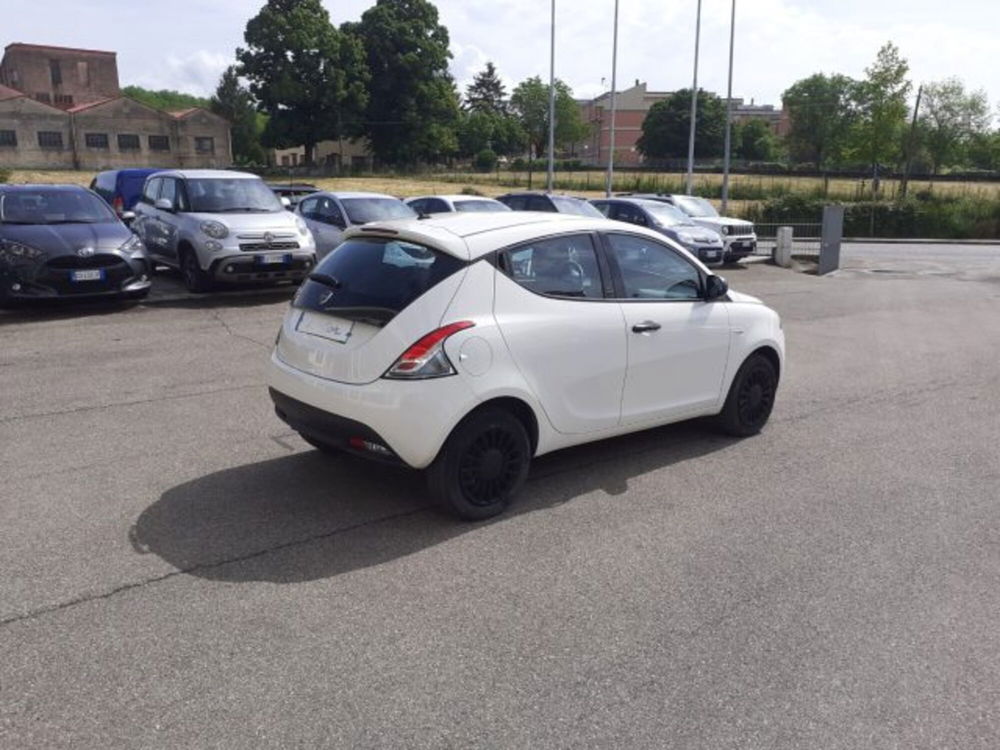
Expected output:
{"points": [[62, 108], [631, 107]]}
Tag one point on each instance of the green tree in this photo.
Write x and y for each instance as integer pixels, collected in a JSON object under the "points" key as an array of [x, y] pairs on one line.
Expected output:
{"points": [[413, 105], [306, 75], [984, 151], [754, 141], [951, 118], [666, 127], [821, 115], [486, 93], [530, 104], [165, 99], [881, 100], [233, 101]]}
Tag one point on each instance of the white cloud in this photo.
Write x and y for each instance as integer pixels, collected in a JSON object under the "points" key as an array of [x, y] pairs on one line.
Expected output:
{"points": [[196, 73]]}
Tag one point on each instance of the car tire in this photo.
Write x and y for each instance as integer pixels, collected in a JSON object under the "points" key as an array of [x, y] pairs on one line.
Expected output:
{"points": [[751, 397], [482, 465], [195, 280], [321, 446]]}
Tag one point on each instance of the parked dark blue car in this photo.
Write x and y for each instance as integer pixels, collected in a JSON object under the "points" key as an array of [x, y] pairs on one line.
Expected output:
{"points": [[121, 188], [64, 241]]}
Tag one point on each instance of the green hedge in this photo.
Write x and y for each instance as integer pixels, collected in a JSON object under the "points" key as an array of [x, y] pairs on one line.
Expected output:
{"points": [[4, 175], [920, 216]]}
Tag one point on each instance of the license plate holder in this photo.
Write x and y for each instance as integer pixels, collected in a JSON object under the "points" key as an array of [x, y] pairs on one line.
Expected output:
{"points": [[274, 259], [87, 274], [327, 327]]}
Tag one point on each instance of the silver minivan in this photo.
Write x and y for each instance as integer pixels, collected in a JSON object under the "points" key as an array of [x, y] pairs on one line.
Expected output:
{"points": [[218, 226]]}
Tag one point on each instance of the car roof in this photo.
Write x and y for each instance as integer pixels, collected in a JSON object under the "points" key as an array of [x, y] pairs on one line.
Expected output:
{"points": [[208, 174], [356, 194], [291, 186], [9, 188], [456, 197], [472, 235]]}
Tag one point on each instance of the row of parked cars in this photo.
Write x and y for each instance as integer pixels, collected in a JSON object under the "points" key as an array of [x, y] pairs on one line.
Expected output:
{"points": [[223, 227]]}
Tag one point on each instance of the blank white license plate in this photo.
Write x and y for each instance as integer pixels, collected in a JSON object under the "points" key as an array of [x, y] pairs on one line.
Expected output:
{"points": [[326, 327], [711, 255], [90, 274], [271, 258]]}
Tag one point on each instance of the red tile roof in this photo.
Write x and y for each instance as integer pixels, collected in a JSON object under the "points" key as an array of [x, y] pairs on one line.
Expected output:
{"points": [[88, 105], [51, 48], [179, 113], [8, 93]]}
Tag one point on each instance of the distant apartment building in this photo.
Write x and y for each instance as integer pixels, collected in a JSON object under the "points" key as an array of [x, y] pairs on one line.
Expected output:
{"points": [[62, 108], [631, 107], [336, 156]]}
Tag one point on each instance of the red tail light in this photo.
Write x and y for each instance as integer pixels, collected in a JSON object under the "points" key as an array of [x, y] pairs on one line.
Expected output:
{"points": [[426, 358], [118, 204]]}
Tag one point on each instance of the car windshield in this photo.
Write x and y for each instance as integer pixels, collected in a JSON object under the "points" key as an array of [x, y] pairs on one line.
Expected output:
{"points": [[575, 206], [697, 207], [363, 210], [481, 206], [667, 215], [219, 195], [54, 207]]}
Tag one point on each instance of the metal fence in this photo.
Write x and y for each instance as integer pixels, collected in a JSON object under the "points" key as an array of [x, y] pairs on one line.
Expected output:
{"points": [[806, 237]]}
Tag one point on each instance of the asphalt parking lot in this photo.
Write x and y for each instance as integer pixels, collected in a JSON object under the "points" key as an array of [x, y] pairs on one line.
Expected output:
{"points": [[180, 570]]}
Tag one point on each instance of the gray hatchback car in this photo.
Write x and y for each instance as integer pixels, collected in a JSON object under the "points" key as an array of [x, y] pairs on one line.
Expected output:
{"points": [[328, 214], [65, 241]]}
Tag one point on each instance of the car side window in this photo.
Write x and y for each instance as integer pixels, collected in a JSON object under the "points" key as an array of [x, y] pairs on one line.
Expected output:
{"points": [[516, 202], [329, 212], [628, 213], [168, 190], [420, 205], [436, 206], [603, 206], [308, 208], [558, 266], [653, 271], [150, 190]]}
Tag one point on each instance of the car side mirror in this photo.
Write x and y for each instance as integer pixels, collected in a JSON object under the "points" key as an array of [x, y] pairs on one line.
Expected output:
{"points": [[127, 217], [715, 287], [285, 202], [338, 222], [164, 204]]}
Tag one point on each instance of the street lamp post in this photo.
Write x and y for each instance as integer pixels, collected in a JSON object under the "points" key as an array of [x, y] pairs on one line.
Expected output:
{"points": [[614, 80], [729, 113], [550, 178], [694, 103]]}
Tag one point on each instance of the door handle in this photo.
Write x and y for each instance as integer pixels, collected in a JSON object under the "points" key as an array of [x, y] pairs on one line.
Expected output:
{"points": [[645, 327]]}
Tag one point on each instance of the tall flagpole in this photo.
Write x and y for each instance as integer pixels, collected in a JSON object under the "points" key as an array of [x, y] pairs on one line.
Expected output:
{"points": [[550, 179], [694, 102], [729, 114], [614, 78]]}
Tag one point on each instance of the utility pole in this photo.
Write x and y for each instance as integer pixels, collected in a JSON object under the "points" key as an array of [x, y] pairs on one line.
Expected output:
{"points": [[909, 145], [729, 114], [694, 103], [551, 177], [614, 78]]}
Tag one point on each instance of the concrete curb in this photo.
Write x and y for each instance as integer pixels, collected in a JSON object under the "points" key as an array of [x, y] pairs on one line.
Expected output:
{"points": [[900, 241]]}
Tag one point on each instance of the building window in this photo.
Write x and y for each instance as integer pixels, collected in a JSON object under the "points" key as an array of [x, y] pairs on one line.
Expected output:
{"points": [[50, 139], [159, 143], [128, 142], [43, 96], [8, 138], [64, 99], [96, 140], [56, 72], [83, 73], [204, 144]]}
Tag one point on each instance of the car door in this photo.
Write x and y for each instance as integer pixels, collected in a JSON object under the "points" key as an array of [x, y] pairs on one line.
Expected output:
{"points": [[678, 344], [326, 221], [170, 189], [566, 337], [146, 223]]}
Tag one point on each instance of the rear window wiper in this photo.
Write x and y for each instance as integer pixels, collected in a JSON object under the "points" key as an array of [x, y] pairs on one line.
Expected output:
{"points": [[325, 280]]}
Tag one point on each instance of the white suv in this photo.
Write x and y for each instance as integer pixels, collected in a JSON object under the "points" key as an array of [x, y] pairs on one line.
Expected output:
{"points": [[465, 344], [219, 226]]}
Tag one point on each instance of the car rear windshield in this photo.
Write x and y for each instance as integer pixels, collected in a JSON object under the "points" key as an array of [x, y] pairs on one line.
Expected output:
{"points": [[374, 278], [217, 195], [576, 206], [44, 206], [364, 210]]}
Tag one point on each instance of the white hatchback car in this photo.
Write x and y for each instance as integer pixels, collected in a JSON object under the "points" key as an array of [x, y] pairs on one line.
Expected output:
{"points": [[466, 344]]}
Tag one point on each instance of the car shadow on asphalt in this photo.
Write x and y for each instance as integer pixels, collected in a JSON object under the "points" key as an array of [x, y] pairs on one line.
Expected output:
{"points": [[309, 516]]}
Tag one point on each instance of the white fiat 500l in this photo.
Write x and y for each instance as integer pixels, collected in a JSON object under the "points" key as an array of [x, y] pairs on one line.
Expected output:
{"points": [[466, 344]]}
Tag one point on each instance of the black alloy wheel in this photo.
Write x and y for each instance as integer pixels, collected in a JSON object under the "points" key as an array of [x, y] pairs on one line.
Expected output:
{"points": [[482, 465], [751, 397], [195, 279]]}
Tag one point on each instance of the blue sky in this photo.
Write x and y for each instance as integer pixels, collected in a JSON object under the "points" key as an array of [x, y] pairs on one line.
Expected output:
{"points": [[185, 44]]}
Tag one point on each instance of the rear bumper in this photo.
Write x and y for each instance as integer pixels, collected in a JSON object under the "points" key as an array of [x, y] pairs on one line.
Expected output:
{"points": [[412, 419]]}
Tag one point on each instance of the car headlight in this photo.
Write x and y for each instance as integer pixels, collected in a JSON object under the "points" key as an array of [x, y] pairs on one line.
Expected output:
{"points": [[687, 239], [303, 229], [19, 253], [214, 229], [133, 246]]}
